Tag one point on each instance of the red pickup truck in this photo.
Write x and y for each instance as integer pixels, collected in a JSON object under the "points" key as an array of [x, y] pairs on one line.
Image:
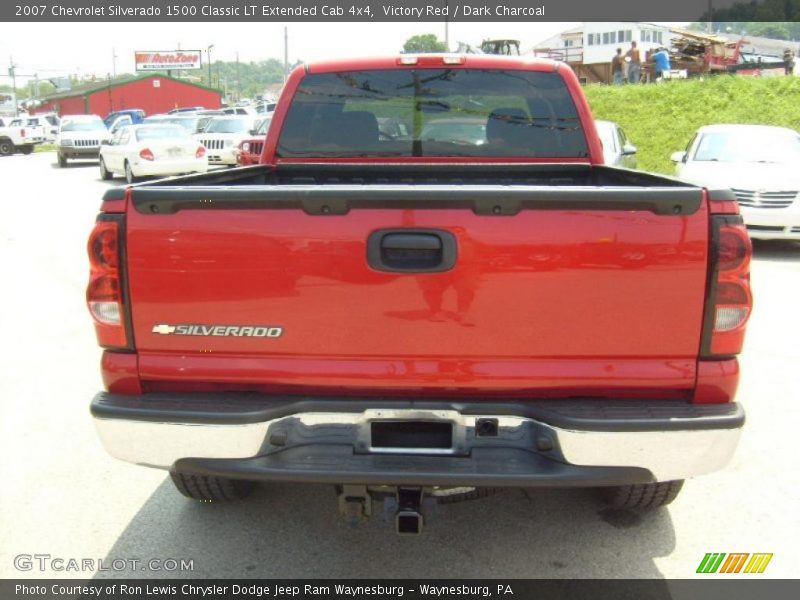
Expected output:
{"points": [[470, 301]]}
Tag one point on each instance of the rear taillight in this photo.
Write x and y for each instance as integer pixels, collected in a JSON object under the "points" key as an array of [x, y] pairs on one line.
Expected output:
{"points": [[201, 152], [729, 300], [146, 154], [104, 295], [22, 132]]}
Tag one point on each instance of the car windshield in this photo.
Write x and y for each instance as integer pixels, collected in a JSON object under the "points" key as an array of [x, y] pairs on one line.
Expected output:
{"points": [[93, 125], [228, 126], [447, 112], [759, 146], [161, 132]]}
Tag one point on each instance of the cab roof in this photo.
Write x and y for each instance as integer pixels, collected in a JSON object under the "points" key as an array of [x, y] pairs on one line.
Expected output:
{"points": [[432, 61]]}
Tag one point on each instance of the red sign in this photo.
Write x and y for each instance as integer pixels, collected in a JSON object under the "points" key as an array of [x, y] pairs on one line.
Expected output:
{"points": [[161, 61]]}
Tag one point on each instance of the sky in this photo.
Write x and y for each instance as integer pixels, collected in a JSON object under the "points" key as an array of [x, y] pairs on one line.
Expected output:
{"points": [[86, 48]]}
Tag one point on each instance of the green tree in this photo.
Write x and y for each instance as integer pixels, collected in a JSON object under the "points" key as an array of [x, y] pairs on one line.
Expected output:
{"points": [[778, 30], [422, 43]]}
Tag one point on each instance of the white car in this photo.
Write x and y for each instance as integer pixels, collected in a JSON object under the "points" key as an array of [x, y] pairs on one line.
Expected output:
{"points": [[222, 136], [617, 149], [80, 136], [151, 150], [760, 163]]}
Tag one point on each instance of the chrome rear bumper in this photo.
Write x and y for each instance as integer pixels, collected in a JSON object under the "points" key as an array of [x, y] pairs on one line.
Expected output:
{"points": [[533, 442]]}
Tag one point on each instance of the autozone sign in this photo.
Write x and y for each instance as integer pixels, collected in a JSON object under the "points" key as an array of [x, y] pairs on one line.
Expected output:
{"points": [[160, 61]]}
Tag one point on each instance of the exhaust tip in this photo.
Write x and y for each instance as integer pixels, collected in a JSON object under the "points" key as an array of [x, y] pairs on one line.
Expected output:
{"points": [[409, 522]]}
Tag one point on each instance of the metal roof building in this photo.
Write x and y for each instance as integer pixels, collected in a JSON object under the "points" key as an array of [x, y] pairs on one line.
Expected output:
{"points": [[152, 93]]}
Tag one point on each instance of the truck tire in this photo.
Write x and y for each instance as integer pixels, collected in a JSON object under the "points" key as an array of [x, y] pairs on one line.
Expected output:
{"points": [[641, 495], [211, 489], [6, 147], [26, 149], [62, 161]]}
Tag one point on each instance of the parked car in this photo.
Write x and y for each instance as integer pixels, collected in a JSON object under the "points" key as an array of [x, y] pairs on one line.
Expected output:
{"points": [[617, 148], [186, 109], [239, 110], [409, 320], [17, 136], [248, 152], [151, 150], [760, 163], [265, 108], [51, 124], [80, 136], [222, 136], [136, 115]]}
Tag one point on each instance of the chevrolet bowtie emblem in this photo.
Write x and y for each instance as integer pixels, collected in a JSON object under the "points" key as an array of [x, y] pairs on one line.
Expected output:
{"points": [[164, 329]]}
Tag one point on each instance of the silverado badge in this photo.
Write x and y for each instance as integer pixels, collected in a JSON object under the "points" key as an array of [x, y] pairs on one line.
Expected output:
{"points": [[269, 331]]}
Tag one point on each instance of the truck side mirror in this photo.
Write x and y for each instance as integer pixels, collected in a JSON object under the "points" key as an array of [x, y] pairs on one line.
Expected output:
{"points": [[628, 150]]}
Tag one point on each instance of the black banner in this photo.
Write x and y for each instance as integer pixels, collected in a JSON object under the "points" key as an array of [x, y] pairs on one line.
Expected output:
{"points": [[397, 10], [712, 588]]}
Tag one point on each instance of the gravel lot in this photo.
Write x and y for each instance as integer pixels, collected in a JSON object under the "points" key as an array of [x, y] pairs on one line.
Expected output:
{"points": [[63, 496]]}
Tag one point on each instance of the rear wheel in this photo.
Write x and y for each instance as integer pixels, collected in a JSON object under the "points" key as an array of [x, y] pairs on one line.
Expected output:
{"points": [[62, 160], [211, 489], [129, 176], [641, 495], [6, 147], [26, 149], [104, 173]]}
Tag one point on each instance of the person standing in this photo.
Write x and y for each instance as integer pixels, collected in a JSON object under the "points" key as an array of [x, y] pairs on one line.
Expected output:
{"points": [[635, 66], [662, 64], [617, 65], [788, 61]]}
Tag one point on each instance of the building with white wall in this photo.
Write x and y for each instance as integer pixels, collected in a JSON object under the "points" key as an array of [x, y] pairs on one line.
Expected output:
{"points": [[596, 43]]}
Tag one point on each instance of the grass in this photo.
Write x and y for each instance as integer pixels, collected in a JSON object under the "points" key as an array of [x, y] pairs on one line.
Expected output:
{"points": [[660, 119], [45, 147]]}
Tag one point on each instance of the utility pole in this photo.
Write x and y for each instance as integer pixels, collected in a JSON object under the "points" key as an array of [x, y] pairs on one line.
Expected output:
{"points": [[238, 81], [12, 73], [208, 54], [113, 62], [285, 54], [447, 29], [710, 17]]}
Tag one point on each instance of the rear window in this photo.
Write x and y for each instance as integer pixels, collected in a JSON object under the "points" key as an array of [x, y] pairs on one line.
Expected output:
{"points": [[433, 112], [158, 132]]}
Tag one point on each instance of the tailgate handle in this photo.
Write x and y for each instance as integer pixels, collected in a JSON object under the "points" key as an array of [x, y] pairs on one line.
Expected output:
{"points": [[411, 250]]}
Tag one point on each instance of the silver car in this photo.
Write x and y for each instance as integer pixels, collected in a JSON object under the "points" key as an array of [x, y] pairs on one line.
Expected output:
{"points": [[617, 149]]}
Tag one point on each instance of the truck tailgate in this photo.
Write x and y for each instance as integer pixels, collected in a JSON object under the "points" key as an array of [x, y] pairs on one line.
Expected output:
{"points": [[593, 298]]}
